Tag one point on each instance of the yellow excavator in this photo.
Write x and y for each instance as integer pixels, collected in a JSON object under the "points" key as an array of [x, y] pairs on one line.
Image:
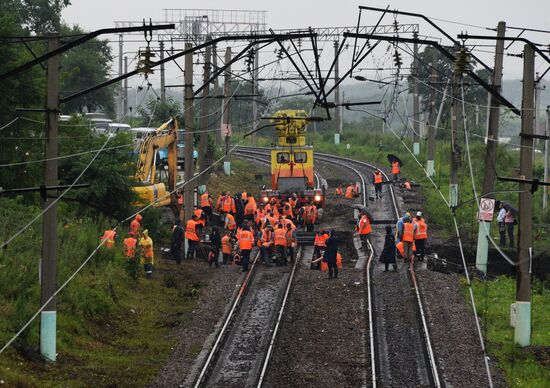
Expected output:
{"points": [[165, 136]]}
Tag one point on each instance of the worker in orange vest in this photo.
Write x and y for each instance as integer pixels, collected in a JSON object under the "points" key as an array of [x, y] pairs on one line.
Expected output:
{"points": [[421, 235], [135, 225], [109, 238], [287, 210], [377, 180], [279, 241], [395, 170], [293, 201], [230, 223], [147, 253], [319, 246], [130, 245], [227, 247], [407, 237], [265, 242], [401, 250], [192, 235], [201, 217], [228, 204], [246, 241], [309, 216], [206, 205], [350, 191], [339, 191], [250, 208], [407, 185], [364, 229], [291, 240], [219, 201]]}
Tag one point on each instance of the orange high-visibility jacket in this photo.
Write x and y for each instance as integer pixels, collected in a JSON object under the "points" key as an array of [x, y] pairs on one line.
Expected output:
{"points": [[246, 240], [339, 191], [205, 200], [377, 177], [408, 232], [421, 230], [230, 223], [130, 244], [364, 226], [350, 191], [395, 167], [198, 212], [226, 245], [280, 237], [228, 204], [321, 240], [109, 236], [191, 231], [401, 249]]}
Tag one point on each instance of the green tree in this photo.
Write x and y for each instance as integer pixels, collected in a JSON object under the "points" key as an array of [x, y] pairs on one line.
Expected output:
{"points": [[85, 66], [41, 16], [154, 113]]}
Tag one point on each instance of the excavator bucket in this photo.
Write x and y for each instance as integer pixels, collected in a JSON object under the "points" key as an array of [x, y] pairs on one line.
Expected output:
{"points": [[152, 193]]}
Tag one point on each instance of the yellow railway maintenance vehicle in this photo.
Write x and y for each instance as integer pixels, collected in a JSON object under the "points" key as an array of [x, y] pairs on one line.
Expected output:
{"points": [[292, 170], [165, 136]]}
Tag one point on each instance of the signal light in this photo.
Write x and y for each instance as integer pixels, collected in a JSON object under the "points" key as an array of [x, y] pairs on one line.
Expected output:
{"points": [[317, 198]]}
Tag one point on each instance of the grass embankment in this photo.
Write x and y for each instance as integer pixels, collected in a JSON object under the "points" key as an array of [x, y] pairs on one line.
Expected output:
{"points": [[524, 367], [529, 367], [112, 329]]}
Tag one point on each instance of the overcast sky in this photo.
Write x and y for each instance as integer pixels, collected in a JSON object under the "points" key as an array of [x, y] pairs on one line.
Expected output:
{"points": [[293, 14]]}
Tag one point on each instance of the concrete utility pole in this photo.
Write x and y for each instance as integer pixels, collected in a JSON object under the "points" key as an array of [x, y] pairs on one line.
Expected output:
{"points": [[522, 335], [455, 152], [255, 89], [545, 188], [416, 101], [162, 74], [434, 78], [226, 126], [48, 268], [125, 102], [188, 127], [203, 143], [337, 115], [491, 151], [218, 134], [120, 97]]}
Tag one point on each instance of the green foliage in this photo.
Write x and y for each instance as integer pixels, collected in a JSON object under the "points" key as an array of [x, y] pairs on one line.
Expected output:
{"points": [[521, 365], [85, 66], [153, 113]]}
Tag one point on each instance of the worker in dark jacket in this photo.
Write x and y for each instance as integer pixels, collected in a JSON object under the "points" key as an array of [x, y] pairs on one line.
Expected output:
{"points": [[331, 251], [216, 243], [388, 253], [176, 242], [239, 209]]}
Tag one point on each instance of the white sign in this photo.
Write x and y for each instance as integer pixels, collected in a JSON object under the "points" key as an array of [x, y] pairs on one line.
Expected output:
{"points": [[486, 209]]}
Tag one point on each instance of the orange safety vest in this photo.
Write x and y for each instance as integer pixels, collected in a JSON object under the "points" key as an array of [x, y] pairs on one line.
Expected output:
{"points": [[401, 249], [339, 191], [228, 205], [230, 222], [191, 230], [364, 226], [293, 202], [349, 191], [266, 238], [109, 236], [130, 244], [259, 215], [339, 260], [205, 200], [198, 213], [289, 239], [421, 230], [408, 232], [246, 240], [287, 211], [395, 167], [226, 245], [310, 214], [378, 177], [272, 220], [280, 237], [219, 202], [250, 208], [134, 227], [407, 185], [321, 240]]}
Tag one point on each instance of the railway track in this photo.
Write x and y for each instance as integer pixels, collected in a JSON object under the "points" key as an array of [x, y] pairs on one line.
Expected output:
{"points": [[380, 359], [246, 341]]}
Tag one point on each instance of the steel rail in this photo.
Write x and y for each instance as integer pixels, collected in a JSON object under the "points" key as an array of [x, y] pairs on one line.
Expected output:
{"points": [[279, 318], [343, 161], [230, 317]]}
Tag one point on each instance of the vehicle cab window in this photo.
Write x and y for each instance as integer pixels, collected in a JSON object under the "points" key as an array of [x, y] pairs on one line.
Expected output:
{"points": [[300, 157], [283, 157]]}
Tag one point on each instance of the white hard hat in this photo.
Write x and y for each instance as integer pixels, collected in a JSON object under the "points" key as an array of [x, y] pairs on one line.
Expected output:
{"points": [[419, 214]]}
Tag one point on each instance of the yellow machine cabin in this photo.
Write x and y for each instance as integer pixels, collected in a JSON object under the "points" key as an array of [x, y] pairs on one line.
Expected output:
{"points": [[151, 192]]}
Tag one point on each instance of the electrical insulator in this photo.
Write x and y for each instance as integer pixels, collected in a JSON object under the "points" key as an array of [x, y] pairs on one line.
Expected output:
{"points": [[145, 63], [395, 25], [280, 55], [397, 59], [462, 61]]}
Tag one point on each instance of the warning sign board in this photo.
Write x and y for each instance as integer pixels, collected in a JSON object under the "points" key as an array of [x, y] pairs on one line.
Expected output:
{"points": [[486, 209]]}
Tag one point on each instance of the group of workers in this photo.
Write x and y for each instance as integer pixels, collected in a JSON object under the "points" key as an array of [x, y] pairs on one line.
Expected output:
{"points": [[137, 244], [269, 225], [353, 190]]}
